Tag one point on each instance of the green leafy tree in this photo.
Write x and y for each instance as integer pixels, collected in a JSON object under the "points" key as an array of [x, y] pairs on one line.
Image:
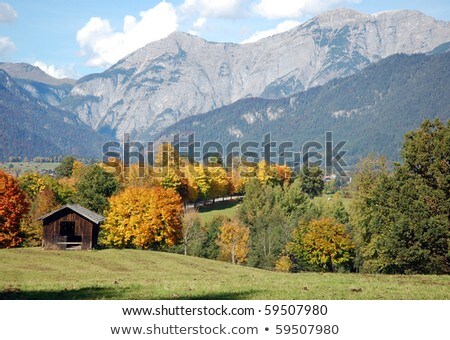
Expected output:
{"points": [[370, 172], [65, 169], [262, 212], [64, 193], [94, 187], [209, 248], [340, 214], [401, 221], [192, 231], [312, 178], [295, 202]]}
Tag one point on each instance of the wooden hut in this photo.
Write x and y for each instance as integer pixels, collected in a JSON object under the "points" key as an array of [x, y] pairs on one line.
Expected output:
{"points": [[71, 227]]}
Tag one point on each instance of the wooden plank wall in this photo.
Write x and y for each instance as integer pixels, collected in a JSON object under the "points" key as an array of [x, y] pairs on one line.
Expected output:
{"points": [[83, 228]]}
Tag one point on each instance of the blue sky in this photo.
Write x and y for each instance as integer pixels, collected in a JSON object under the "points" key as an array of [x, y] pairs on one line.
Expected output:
{"points": [[74, 38]]}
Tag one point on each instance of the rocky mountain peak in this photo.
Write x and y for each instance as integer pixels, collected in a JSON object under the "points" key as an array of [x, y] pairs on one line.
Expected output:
{"points": [[184, 75], [339, 17]]}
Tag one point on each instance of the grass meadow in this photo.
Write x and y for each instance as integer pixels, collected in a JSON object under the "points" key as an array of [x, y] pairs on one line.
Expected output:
{"points": [[225, 208], [32, 273]]}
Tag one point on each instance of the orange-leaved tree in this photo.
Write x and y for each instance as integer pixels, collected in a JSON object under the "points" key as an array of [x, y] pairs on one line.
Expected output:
{"points": [[144, 218], [233, 242], [13, 207]]}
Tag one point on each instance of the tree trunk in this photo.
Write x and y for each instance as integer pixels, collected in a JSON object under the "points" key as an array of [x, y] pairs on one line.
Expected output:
{"points": [[233, 259]]}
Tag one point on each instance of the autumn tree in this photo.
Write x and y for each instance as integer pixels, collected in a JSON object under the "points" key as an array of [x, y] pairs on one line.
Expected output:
{"points": [[199, 180], [63, 191], [13, 207], [174, 179], [32, 183], [322, 245], [132, 176], [233, 242], [267, 173], [44, 202], [240, 176], [284, 174], [219, 182], [144, 218]]}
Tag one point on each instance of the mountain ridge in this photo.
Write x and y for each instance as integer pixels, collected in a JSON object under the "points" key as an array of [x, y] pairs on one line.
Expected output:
{"points": [[39, 84], [33, 73], [31, 127], [371, 110], [184, 75]]}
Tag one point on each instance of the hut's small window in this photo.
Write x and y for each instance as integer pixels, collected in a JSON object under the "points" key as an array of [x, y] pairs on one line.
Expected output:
{"points": [[67, 229]]}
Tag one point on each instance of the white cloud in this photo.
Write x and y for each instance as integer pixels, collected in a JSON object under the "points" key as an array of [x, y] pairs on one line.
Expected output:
{"points": [[276, 9], [6, 46], [103, 46], [199, 23], [214, 9], [56, 72], [282, 27], [7, 13]]}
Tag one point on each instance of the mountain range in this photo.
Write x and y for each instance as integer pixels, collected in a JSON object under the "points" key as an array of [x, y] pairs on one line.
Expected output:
{"points": [[370, 110], [184, 75], [30, 127], [368, 78], [38, 83]]}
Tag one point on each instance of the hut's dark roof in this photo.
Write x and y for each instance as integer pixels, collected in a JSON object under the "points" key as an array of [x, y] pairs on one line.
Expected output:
{"points": [[86, 213]]}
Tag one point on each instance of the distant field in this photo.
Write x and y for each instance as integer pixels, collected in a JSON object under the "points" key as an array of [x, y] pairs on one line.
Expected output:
{"points": [[136, 274], [328, 199], [29, 166], [226, 208]]}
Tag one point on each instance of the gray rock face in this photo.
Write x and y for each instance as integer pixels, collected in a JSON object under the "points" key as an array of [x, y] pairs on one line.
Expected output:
{"points": [[185, 75]]}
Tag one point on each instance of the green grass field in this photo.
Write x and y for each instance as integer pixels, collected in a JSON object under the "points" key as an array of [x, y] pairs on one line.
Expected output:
{"points": [[226, 208], [32, 273], [324, 200]]}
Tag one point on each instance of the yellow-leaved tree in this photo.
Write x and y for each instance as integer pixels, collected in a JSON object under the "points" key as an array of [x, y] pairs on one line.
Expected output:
{"points": [[144, 217], [267, 173], [219, 182], [322, 245], [233, 242], [199, 182]]}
